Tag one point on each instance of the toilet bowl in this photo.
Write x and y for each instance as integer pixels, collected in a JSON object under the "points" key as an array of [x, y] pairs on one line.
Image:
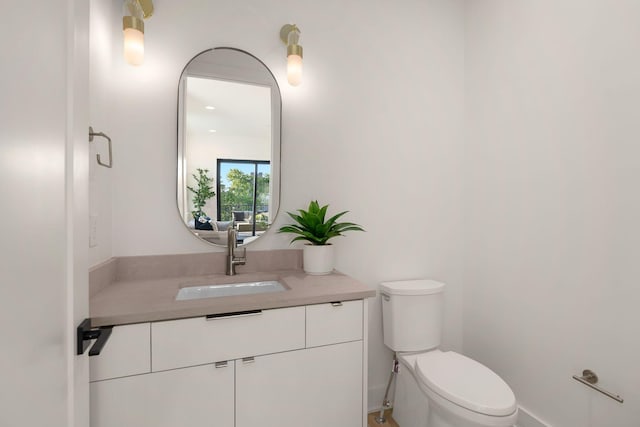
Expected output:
{"points": [[437, 388], [447, 389]]}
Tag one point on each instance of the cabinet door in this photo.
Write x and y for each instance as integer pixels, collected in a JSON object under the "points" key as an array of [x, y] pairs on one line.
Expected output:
{"points": [[334, 323], [190, 397], [315, 387], [127, 352]]}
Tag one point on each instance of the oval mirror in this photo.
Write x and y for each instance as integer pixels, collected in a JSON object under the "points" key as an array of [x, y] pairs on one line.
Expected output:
{"points": [[228, 146]]}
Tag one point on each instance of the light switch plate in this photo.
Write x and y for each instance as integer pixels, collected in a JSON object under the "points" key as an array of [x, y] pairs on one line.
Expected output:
{"points": [[93, 231]]}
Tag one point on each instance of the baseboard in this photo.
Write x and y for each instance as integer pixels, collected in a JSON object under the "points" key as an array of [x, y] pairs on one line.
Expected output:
{"points": [[527, 419]]}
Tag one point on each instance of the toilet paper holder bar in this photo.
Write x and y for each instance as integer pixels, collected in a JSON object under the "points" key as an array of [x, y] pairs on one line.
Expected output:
{"points": [[590, 379]]}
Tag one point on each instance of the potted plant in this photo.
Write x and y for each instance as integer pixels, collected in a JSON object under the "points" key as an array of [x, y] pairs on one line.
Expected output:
{"points": [[201, 193], [312, 227]]}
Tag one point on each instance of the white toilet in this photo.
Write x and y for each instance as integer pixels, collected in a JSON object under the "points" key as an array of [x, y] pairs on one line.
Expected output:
{"points": [[437, 388]]}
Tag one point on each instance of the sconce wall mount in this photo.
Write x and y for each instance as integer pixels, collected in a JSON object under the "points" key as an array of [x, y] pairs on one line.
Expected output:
{"points": [[133, 23], [291, 30]]}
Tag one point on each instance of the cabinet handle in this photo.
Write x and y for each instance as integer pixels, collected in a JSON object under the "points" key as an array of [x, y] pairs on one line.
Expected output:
{"points": [[337, 303], [233, 314], [247, 360], [222, 364]]}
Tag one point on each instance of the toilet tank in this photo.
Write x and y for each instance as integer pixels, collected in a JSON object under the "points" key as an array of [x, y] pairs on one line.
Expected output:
{"points": [[412, 314]]}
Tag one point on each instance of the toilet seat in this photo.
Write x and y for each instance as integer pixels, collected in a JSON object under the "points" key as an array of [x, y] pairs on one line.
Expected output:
{"points": [[465, 382]]}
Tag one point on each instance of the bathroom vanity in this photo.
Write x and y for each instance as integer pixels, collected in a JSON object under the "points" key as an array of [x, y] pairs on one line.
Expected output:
{"points": [[295, 357]]}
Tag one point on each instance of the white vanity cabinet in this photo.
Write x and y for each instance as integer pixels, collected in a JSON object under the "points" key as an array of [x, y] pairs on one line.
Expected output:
{"points": [[321, 385], [188, 342], [128, 352], [302, 366], [189, 397], [125, 393], [314, 387]]}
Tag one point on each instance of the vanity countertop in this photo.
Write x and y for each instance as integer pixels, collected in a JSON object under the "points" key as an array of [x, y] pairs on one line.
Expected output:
{"points": [[140, 299]]}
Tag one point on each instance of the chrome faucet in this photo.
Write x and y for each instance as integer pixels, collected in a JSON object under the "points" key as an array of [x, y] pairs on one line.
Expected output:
{"points": [[232, 259]]}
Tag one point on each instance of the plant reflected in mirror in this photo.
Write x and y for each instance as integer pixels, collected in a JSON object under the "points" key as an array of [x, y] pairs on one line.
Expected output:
{"points": [[202, 193]]}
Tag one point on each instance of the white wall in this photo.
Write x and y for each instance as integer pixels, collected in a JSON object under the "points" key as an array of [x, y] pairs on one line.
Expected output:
{"points": [[375, 128], [43, 169], [103, 41], [551, 288]]}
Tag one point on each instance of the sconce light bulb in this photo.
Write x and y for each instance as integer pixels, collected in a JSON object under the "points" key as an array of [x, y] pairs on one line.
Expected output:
{"points": [[133, 46], [294, 70]]}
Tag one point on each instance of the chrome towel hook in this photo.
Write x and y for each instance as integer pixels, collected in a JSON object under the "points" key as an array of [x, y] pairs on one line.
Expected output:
{"points": [[102, 134]]}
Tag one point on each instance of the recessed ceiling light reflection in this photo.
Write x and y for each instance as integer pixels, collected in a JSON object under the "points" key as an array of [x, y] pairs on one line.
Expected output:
{"points": [[210, 107], [212, 131]]}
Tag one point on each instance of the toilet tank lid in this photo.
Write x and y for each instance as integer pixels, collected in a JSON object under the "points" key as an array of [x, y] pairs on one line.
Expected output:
{"points": [[412, 287]]}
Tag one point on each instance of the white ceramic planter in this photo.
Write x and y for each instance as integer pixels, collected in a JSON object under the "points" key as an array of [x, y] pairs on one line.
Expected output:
{"points": [[317, 259]]}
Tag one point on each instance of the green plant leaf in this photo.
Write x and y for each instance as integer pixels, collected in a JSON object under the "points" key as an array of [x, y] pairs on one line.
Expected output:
{"points": [[202, 192], [312, 227]]}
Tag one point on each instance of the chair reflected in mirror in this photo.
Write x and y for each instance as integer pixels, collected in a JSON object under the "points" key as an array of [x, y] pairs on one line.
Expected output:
{"points": [[238, 216]]}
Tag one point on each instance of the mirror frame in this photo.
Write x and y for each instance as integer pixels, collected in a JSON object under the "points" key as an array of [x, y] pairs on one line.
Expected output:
{"points": [[276, 140]]}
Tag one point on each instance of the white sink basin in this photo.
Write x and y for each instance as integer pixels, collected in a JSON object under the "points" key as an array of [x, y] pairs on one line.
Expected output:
{"points": [[229, 289]]}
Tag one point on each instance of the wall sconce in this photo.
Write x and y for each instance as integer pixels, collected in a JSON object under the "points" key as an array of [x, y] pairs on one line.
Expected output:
{"points": [[290, 34], [133, 27]]}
